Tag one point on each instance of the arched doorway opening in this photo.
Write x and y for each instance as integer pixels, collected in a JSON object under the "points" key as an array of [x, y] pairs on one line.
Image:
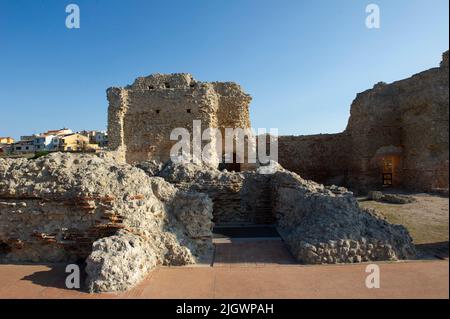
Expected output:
{"points": [[234, 166]]}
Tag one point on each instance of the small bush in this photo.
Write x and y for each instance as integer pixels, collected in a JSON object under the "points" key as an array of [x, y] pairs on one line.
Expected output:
{"points": [[39, 154]]}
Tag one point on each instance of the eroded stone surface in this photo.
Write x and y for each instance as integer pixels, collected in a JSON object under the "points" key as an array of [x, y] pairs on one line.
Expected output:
{"points": [[142, 116], [119, 262], [325, 224], [405, 121], [320, 224], [54, 208]]}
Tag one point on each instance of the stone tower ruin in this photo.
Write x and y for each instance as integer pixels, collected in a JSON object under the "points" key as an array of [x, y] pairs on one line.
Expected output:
{"points": [[141, 116]]}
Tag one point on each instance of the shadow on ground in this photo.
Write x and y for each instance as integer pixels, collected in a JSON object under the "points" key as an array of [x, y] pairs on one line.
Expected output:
{"points": [[55, 277], [246, 232], [268, 252], [433, 250]]}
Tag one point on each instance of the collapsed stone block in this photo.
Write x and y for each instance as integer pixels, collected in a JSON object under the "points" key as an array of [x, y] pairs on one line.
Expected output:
{"points": [[390, 198], [119, 262]]}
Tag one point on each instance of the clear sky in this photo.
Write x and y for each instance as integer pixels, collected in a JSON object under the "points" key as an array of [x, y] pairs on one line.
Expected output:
{"points": [[302, 61]]}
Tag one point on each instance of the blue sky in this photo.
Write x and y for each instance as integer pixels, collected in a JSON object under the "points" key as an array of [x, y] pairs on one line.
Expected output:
{"points": [[302, 61]]}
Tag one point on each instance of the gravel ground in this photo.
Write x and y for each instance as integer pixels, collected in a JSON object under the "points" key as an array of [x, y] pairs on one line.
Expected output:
{"points": [[427, 220]]}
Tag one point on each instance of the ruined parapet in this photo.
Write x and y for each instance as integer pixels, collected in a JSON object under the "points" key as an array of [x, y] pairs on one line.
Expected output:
{"points": [[319, 224], [141, 116], [324, 225], [411, 115], [67, 207], [238, 197]]}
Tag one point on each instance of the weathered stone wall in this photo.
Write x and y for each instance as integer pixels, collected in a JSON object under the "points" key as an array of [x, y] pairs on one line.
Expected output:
{"points": [[320, 224], [324, 225], [406, 121], [323, 158], [410, 115], [62, 206], [238, 197], [142, 116]]}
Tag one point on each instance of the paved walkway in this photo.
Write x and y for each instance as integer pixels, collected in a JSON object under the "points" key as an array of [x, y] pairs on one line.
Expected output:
{"points": [[251, 252], [418, 279], [245, 268]]}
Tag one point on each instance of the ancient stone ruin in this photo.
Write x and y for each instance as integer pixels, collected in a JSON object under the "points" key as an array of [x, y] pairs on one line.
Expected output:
{"points": [[383, 145], [320, 224], [124, 222], [66, 207], [141, 116], [126, 211], [397, 135]]}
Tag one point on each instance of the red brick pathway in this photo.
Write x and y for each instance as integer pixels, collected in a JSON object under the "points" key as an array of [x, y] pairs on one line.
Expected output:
{"points": [[246, 270]]}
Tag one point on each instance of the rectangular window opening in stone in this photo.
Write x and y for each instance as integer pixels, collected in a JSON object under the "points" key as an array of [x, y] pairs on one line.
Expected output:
{"points": [[388, 163]]}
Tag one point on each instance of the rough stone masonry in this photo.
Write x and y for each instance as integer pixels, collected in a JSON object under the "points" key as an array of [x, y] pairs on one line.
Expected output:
{"points": [[399, 128], [123, 222], [141, 116], [319, 224], [68, 207], [403, 124]]}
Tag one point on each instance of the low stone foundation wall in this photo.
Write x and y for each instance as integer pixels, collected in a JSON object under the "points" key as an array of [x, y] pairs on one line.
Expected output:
{"points": [[320, 224], [239, 198], [325, 224]]}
